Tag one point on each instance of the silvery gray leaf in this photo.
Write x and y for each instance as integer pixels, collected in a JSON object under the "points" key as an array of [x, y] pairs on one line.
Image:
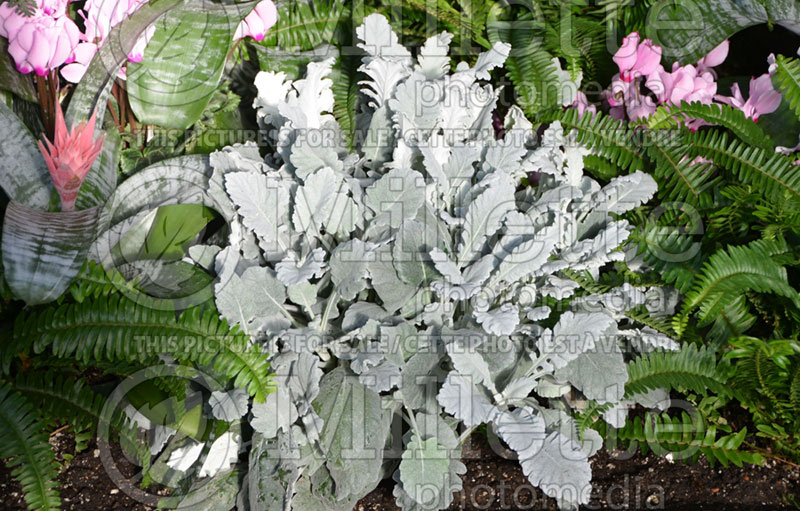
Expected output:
{"points": [[500, 321], [292, 272], [229, 406], [462, 398]]}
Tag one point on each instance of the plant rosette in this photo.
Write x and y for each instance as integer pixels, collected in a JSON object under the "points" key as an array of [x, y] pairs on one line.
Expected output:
{"points": [[416, 281]]}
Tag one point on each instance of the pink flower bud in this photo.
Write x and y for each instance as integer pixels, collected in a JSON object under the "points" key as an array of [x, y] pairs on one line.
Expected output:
{"points": [[70, 157]]}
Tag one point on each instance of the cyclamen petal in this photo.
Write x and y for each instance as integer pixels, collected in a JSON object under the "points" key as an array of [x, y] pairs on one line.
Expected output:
{"points": [[637, 59], [648, 58], [103, 15], [715, 57], [625, 58], [258, 22]]}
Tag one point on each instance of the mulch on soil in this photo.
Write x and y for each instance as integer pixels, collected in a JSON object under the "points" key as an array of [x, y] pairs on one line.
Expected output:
{"points": [[620, 480]]}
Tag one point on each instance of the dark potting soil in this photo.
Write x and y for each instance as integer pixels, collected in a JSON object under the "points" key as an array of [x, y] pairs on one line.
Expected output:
{"points": [[620, 481]]}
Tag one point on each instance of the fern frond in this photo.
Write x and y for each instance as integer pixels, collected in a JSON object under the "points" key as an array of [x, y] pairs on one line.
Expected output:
{"points": [[679, 177], [72, 401], [787, 77], [95, 281], [686, 438], [690, 368], [770, 172], [604, 136], [671, 251], [27, 452], [303, 26], [732, 321], [794, 390], [116, 328], [599, 167], [728, 273], [345, 92], [534, 74], [673, 116]]}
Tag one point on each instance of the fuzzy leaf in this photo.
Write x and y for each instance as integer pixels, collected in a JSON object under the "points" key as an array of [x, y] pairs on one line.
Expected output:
{"points": [[229, 406]]}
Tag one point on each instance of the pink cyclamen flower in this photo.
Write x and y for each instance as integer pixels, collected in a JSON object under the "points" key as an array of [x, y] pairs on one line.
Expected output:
{"points": [[635, 59], [11, 20], [763, 99], [42, 43], [626, 101], [70, 157], [255, 25], [684, 83], [714, 58], [100, 17]]}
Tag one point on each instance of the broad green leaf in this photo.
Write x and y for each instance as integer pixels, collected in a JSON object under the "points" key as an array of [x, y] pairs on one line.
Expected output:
{"points": [[174, 228], [270, 476], [23, 172], [174, 285], [95, 86], [218, 494], [316, 493], [697, 27], [187, 179], [43, 252], [183, 63]]}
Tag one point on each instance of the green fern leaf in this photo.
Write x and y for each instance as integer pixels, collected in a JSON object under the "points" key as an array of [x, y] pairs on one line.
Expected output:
{"points": [[533, 72], [345, 92], [772, 173], [691, 368], [787, 77], [116, 328], [728, 273], [679, 177], [686, 437], [604, 136], [27, 451], [672, 116], [303, 26], [72, 401]]}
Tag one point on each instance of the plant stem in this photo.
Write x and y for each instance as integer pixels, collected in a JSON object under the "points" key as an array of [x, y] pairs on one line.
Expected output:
{"points": [[45, 106]]}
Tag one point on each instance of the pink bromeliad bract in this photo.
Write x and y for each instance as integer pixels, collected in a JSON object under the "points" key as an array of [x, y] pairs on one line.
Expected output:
{"points": [[70, 157]]}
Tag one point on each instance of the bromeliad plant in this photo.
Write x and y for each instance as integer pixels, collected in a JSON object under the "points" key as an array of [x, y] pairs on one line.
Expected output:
{"points": [[416, 278]]}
